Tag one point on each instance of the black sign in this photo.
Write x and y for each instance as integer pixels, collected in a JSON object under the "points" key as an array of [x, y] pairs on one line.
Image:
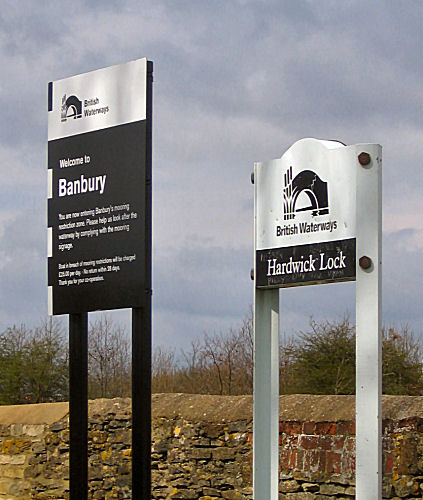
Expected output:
{"points": [[306, 264], [99, 206], [97, 215]]}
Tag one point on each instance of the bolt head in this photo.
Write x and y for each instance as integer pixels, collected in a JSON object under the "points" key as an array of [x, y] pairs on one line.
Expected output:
{"points": [[365, 262], [252, 177], [364, 159], [252, 274]]}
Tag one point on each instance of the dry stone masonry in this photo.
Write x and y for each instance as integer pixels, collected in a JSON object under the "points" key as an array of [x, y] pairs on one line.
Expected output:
{"points": [[202, 448]]}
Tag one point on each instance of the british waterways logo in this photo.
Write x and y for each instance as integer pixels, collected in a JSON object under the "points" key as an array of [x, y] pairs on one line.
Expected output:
{"points": [[307, 187], [71, 108]]}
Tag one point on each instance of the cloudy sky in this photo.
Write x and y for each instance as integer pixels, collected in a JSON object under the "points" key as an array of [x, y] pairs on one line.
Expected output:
{"points": [[234, 82]]}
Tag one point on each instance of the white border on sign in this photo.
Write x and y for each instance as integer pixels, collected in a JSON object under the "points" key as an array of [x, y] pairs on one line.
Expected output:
{"points": [[98, 100]]}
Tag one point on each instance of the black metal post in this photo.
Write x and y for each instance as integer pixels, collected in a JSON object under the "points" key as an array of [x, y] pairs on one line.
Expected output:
{"points": [[141, 338], [78, 406], [141, 404]]}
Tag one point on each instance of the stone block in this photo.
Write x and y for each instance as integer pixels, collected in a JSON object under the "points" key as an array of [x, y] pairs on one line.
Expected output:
{"points": [[19, 488], [4, 487], [289, 486], [406, 486], [300, 496], [33, 430], [224, 454], [16, 429], [184, 494], [98, 437], [12, 471], [331, 489], [211, 492], [233, 495], [310, 487], [58, 426], [12, 460], [200, 453]]}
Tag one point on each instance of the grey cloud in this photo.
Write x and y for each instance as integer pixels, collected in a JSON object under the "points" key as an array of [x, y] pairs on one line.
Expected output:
{"points": [[235, 82], [23, 265], [203, 280], [402, 277]]}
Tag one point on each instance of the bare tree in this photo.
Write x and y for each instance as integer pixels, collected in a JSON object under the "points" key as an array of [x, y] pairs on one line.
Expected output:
{"points": [[218, 363], [164, 370], [193, 374], [246, 353], [222, 351], [109, 362]]}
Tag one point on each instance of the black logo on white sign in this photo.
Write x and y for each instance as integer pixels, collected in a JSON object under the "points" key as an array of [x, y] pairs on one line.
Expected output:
{"points": [[308, 187], [71, 107]]}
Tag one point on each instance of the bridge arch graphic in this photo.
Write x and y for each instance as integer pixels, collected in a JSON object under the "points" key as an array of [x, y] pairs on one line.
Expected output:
{"points": [[71, 108], [309, 183]]}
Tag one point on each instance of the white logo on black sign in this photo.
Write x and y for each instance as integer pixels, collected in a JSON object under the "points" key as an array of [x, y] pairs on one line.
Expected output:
{"points": [[305, 193]]}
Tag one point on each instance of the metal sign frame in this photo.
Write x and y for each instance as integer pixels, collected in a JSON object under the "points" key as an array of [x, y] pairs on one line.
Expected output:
{"points": [[367, 161]]}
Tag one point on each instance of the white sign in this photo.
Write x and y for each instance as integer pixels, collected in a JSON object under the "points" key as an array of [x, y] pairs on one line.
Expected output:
{"points": [[98, 100], [305, 215]]}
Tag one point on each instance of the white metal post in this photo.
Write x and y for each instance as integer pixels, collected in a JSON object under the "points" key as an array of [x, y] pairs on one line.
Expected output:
{"points": [[266, 384], [266, 395], [368, 323]]}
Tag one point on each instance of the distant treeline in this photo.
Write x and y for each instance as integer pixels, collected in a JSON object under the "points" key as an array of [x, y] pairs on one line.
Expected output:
{"points": [[34, 362]]}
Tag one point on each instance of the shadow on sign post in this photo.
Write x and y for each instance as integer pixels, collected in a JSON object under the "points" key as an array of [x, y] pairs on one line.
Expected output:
{"points": [[317, 218], [99, 236]]}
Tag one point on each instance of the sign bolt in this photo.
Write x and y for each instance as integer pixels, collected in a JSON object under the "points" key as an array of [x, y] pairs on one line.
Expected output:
{"points": [[364, 159], [252, 274], [365, 262], [252, 177]]}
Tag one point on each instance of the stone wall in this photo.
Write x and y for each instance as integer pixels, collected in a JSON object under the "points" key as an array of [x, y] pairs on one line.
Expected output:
{"points": [[202, 448]]}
